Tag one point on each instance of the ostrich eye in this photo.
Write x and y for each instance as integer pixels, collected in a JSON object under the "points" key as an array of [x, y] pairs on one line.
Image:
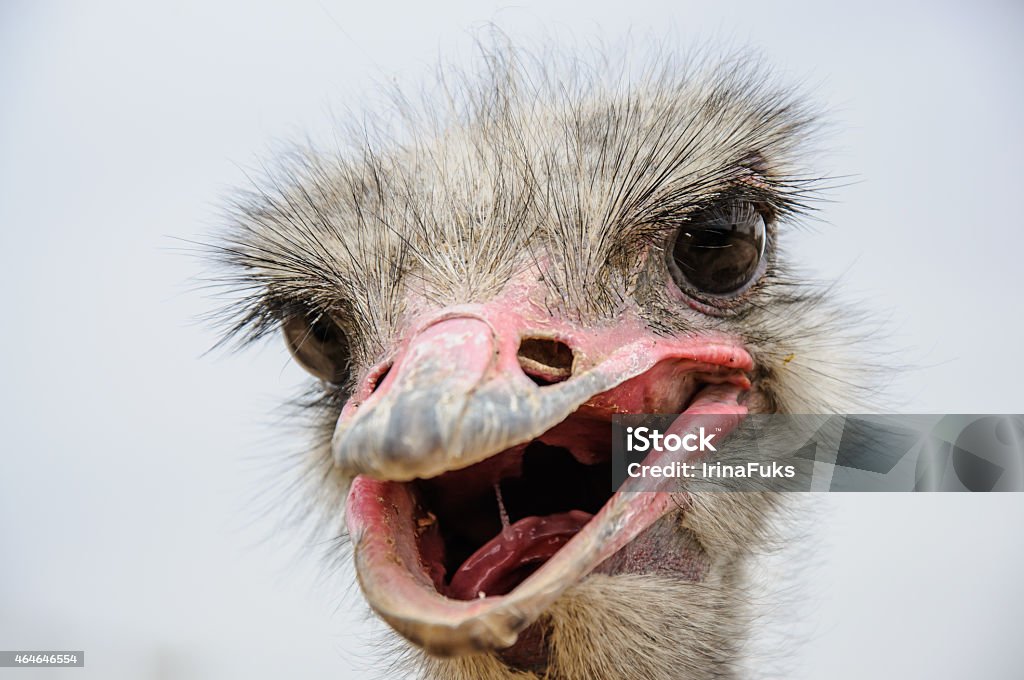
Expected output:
{"points": [[319, 345], [719, 251]]}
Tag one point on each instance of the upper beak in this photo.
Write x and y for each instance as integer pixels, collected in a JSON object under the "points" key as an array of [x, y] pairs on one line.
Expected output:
{"points": [[458, 395]]}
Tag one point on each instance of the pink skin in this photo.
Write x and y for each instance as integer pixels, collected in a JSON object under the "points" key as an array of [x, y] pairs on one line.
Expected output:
{"points": [[618, 347], [620, 367]]}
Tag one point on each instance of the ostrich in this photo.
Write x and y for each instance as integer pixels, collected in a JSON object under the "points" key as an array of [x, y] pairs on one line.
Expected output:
{"points": [[478, 288]]}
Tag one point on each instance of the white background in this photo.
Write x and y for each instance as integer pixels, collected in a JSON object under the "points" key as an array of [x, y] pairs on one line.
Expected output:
{"points": [[131, 520]]}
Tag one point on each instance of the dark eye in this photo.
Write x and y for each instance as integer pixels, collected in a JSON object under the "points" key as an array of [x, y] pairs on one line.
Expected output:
{"points": [[719, 251], [319, 345]]}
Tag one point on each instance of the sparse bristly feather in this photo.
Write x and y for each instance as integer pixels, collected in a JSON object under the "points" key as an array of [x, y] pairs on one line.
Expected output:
{"points": [[590, 169]]}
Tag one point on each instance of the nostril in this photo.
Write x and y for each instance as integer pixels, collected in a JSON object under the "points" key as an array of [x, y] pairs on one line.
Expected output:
{"points": [[380, 378], [545, 360]]}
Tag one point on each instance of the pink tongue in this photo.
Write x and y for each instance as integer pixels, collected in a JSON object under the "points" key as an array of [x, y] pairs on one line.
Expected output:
{"points": [[507, 559]]}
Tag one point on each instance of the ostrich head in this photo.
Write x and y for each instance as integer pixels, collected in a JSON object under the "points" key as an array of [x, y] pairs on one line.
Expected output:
{"points": [[478, 292]]}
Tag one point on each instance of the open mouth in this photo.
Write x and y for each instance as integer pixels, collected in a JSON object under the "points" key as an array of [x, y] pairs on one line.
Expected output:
{"points": [[466, 560], [491, 525]]}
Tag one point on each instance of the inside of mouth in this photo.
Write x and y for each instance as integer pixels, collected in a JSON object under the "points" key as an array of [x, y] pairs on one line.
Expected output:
{"points": [[482, 530]]}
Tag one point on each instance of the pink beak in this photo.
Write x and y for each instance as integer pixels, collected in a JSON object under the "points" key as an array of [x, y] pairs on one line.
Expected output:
{"points": [[461, 389]]}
